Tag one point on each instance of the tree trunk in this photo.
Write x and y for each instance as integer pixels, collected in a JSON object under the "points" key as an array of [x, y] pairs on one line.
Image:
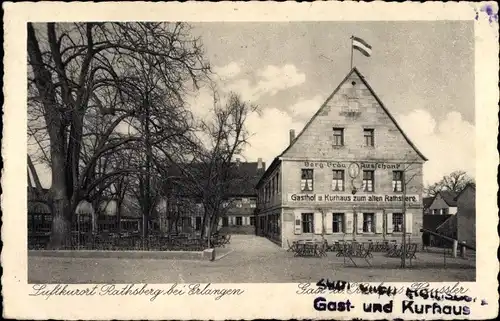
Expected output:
{"points": [[60, 237]]}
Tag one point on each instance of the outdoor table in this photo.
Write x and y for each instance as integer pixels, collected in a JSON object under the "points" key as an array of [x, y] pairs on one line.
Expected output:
{"points": [[308, 248]]}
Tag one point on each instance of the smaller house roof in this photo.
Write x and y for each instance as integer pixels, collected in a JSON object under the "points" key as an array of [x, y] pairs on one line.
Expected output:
{"points": [[428, 202], [449, 197]]}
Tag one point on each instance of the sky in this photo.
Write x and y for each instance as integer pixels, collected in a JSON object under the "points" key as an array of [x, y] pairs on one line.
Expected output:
{"points": [[422, 71]]}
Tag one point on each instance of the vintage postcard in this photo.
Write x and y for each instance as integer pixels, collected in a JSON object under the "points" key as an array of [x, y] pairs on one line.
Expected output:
{"points": [[193, 161]]}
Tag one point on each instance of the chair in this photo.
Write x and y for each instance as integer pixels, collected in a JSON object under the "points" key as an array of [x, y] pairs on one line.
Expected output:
{"points": [[411, 252], [321, 248], [292, 247]]}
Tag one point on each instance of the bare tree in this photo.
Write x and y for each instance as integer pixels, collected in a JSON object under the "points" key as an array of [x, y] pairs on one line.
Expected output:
{"points": [[411, 169], [80, 68], [209, 172], [455, 182]]}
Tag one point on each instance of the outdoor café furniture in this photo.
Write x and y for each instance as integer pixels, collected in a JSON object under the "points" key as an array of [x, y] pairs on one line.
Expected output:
{"points": [[358, 250], [393, 250], [291, 247], [310, 248], [411, 251]]}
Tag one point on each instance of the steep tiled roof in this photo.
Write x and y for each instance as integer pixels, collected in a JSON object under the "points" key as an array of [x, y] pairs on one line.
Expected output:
{"points": [[276, 161], [449, 197], [249, 174]]}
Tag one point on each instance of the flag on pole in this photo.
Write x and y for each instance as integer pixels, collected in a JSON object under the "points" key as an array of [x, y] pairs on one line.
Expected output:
{"points": [[362, 46]]}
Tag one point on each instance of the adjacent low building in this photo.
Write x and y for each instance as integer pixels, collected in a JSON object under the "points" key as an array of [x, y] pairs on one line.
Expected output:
{"points": [[462, 225], [443, 203], [349, 174]]}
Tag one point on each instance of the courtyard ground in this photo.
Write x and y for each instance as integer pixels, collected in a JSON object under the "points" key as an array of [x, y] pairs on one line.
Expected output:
{"points": [[252, 259]]}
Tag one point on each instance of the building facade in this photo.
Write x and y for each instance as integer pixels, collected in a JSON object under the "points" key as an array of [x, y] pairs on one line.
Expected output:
{"points": [[345, 176]]}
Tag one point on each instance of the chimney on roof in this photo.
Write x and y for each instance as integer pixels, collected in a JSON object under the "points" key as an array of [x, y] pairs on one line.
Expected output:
{"points": [[292, 136], [259, 163]]}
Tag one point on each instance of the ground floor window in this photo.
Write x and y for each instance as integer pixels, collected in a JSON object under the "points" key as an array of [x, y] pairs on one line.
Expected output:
{"points": [[252, 220], [338, 223], [368, 222], [239, 221], [307, 222], [397, 222], [225, 221]]}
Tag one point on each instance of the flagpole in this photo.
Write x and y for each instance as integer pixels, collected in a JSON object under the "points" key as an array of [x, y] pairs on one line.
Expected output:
{"points": [[351, 49]]}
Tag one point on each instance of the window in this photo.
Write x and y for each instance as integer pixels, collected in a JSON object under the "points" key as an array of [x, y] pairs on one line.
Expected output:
{"points": [[444, 211], [338, 180], [239, 221], [238, 202], [338, 223], [368, 181], [252, 220], [306, 183], [338, 137], [277, 182], [253, 203], [369, 137], [307, 222], [435, 211], [225, 221], [397, 181], [197, 225], [368, 222], [397, 222]]}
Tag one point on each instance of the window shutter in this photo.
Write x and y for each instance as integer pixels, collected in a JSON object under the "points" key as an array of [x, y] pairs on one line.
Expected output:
{"points": [[329, 223], [359, 227], [298, 223], [349, 223], [389, 223], [409, 222], [220, 222], [379, 222], [318, 223]]}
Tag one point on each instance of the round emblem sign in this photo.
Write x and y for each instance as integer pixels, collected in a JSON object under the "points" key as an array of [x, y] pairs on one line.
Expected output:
{"points": [[353, 170]]}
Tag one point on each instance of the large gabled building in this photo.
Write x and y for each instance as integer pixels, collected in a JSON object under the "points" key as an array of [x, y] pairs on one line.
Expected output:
{"points": [[344, 175]]}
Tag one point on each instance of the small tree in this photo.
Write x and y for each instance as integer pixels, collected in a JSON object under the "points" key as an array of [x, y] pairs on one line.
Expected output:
{"points": [[410, 170]]}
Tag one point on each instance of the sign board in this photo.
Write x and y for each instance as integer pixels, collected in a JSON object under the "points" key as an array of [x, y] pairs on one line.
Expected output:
{"points": [[346, 198], [358, 166]]}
